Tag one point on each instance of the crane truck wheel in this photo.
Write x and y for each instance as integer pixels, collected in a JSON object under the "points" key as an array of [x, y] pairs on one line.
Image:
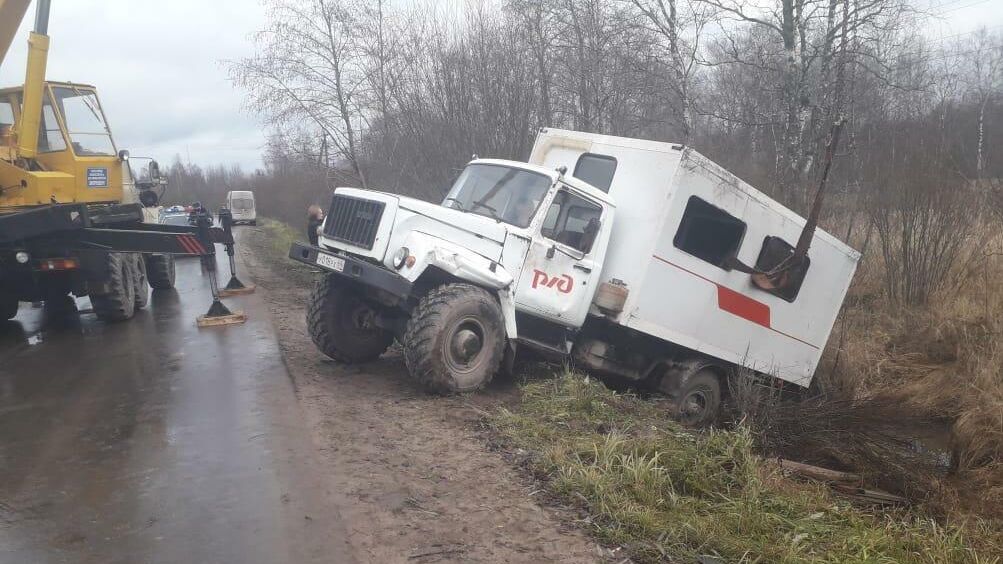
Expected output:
{"points": [[455, 339], [699, 399], [118, 302], [140, 282], [341, 323], [160, 271], [8, 306]]}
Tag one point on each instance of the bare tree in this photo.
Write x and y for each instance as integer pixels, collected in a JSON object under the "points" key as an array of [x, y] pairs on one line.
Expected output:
{"points": [[307, 73], [984, 74], [681, 31]]}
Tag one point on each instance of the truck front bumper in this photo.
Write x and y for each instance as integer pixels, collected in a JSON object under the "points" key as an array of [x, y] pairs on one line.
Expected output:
{"points": [[352, 268]]}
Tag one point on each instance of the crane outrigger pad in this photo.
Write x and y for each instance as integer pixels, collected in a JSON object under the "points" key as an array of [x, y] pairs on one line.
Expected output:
{"points": [[243, 290], [234, 318], [219, 314]]}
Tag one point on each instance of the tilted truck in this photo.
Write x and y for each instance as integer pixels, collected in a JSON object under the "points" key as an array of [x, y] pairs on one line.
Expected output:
{"points": [[633, 258], [72, 217]]}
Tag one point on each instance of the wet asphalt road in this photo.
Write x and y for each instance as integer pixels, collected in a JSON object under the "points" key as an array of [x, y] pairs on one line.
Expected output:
{"points": [[155, 441]]}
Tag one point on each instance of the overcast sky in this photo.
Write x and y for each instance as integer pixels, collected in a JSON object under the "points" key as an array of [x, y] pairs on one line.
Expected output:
{"points": [[157, 66]]}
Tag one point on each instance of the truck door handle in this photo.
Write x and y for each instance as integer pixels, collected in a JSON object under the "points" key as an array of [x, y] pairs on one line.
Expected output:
{"points": [[583, 268]]}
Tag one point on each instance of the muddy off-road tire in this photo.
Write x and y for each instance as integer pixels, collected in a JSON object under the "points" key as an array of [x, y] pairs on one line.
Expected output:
{"points": [[699, 400], [160, 271], [119, 302], [455, 339], [337, 317], [140, 281], [8, 306]]}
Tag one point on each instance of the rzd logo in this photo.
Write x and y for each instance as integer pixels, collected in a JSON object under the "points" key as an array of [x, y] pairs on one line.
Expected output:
{"points": [[563, 283]]}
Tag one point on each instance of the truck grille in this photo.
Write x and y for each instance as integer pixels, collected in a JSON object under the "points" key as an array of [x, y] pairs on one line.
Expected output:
{"points": [[354, 220]]}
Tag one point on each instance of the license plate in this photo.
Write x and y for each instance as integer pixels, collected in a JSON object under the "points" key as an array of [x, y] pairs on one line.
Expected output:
{"points": [[334, 263]]}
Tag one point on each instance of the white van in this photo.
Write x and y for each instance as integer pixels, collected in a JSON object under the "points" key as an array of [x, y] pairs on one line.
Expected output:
{"points": [[241, 205]]}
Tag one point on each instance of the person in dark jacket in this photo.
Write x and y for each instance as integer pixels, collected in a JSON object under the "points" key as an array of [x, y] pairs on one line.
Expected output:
{"points": [[314, 221]]}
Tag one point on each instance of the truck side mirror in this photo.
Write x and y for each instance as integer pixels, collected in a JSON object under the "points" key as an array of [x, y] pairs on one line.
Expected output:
{"points": [[551, 251], [149, 198], [589, 235]]}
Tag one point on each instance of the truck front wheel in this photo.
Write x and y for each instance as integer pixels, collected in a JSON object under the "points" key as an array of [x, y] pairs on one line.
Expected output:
{"points": [[455, 339], [341, 323]]}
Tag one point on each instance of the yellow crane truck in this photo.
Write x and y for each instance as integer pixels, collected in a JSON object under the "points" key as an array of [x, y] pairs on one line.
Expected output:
{"points": [[73, 218]]}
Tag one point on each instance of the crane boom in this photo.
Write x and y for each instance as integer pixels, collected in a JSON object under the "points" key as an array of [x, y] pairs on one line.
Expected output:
{"points": [[34, 84], [11, 14]]}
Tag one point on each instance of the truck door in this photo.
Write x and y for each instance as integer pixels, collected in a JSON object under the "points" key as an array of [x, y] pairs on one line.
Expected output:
{"points": [[558, 279]]}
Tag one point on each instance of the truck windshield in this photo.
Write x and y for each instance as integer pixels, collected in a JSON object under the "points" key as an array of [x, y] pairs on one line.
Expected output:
{"points": [[242, 204], [84, 120], [500, 192]]}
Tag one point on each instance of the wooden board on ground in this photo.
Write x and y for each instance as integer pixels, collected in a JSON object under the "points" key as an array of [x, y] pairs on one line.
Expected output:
{"points": [[234, 318], [819, 473], [225, 293]]}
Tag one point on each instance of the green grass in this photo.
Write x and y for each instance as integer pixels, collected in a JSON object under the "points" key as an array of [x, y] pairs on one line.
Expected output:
{"points": [[671, 495], [279, 236]]}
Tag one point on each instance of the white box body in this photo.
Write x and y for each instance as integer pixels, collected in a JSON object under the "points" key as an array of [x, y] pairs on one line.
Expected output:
{"points": [[683, 299]]}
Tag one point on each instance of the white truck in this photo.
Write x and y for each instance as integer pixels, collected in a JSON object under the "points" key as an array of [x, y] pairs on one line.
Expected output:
{"points": [[632, 258]]}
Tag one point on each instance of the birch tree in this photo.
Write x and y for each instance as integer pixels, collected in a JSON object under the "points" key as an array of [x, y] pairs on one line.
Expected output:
{"points": [[307, 74]]}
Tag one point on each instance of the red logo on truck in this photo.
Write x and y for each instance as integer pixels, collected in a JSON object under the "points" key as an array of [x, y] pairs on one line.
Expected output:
{"points": [[563, 283]]}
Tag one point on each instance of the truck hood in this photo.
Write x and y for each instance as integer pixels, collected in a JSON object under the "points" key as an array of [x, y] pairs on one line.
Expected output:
{"points": [[478, 225], [403, 215]]}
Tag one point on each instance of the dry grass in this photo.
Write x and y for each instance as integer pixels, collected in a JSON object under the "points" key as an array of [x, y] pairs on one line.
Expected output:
{"points": [[668, 495], [942, 364]]}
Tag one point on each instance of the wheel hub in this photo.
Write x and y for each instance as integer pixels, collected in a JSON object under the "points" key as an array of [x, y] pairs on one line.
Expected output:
{"points": [[465, 345], [694, 405]]}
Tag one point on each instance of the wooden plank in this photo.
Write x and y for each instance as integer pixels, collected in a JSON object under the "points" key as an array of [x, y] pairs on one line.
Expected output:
{"points": [[224, 293], [234, 318], [818, 473], [877, 497]]}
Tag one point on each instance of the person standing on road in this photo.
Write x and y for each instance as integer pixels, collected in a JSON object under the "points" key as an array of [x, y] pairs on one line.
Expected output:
{"points": [[314, 221]]}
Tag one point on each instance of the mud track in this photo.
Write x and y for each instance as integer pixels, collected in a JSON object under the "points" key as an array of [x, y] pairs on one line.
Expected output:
{"points": [[419, 482]]}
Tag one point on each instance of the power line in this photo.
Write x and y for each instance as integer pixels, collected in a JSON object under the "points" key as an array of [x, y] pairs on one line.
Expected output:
{"points": [[962, 34], [956, 8]]}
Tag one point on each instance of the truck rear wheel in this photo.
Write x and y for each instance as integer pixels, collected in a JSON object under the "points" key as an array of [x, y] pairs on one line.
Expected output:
{"points": [[699, 399], [142, 290], [8, 306], [118, 303], [160, 271], [455, 339], [340, 323]]}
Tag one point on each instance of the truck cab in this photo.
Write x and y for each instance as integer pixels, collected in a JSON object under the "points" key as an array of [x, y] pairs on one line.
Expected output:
{"points": [[77, 160], [526, 242]]}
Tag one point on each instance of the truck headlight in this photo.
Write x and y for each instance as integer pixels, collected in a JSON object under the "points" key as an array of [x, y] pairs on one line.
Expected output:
{"points": [[400, 257], [22, 257]]}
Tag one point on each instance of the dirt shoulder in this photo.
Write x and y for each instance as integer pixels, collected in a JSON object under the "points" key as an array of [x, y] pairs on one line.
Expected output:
{"points": [[417, 480]]}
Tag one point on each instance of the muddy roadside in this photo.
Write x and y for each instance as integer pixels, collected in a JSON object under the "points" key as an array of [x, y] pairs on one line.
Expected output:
{"points": [[418, 480]]}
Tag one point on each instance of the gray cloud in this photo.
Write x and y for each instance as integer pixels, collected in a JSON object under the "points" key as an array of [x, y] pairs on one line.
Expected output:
{"points": [[157, 69]]}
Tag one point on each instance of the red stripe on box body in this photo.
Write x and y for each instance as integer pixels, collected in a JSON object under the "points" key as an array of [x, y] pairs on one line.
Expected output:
{"points": [[743, 306], [739, 304]]}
